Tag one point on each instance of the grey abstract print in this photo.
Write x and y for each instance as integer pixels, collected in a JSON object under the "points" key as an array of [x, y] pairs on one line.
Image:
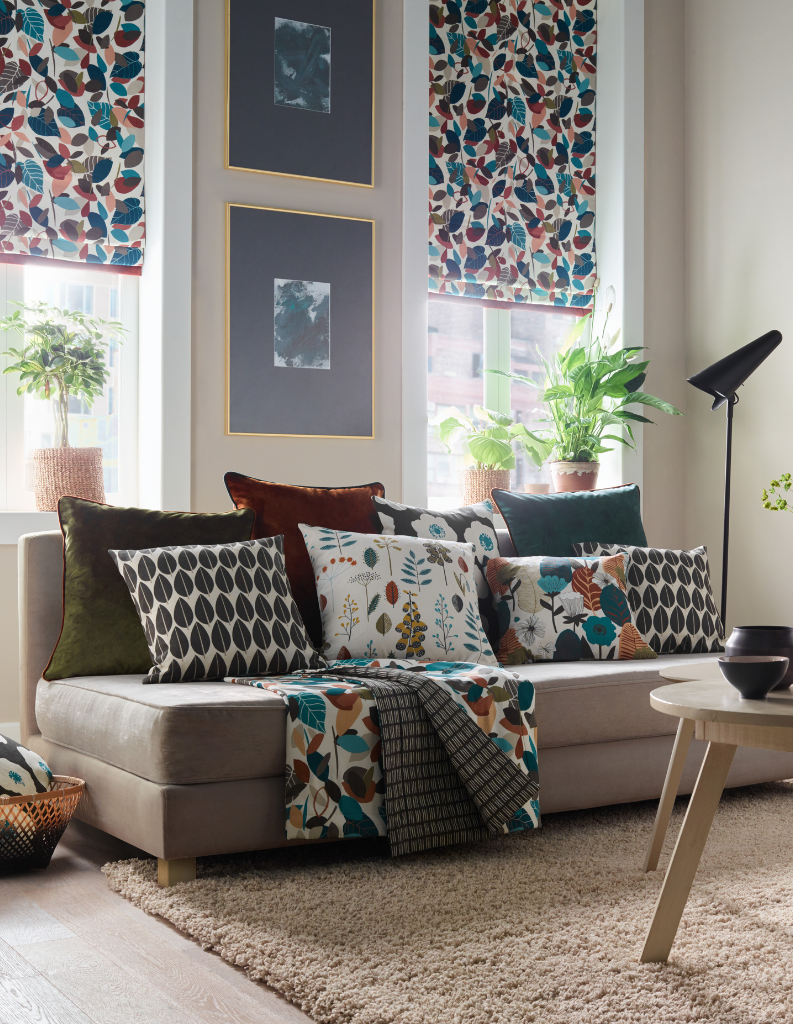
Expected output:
{"points": [[301, 324], [302, 65]]}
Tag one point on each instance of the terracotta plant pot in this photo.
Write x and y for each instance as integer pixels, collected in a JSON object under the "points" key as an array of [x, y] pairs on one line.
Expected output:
{"points": [[74, 471], [574, 476], [476, 484]]}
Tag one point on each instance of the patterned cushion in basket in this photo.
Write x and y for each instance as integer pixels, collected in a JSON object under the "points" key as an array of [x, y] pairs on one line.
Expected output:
{"points": [[22, 771]]}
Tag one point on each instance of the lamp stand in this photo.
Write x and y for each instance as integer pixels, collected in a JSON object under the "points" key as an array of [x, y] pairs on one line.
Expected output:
{"points": [[732, 401]]}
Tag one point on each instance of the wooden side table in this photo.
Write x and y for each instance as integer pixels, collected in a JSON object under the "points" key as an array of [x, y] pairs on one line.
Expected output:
{"points": [[712, 710]]}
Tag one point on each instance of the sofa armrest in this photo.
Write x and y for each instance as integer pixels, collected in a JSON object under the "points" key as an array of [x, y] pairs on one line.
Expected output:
{"points": [[40, 614]]}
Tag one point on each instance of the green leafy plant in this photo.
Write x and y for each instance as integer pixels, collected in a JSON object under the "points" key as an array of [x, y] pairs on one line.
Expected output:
{"points": [[62, 356], [589, 387], [488, 446], [772, 498]]}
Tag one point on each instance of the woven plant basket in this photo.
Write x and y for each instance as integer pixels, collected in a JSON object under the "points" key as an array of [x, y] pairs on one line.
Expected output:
{"points": [[59, 471], [31, 826], [476, 484]]}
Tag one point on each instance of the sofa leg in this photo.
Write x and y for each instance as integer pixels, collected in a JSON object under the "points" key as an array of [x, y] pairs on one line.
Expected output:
{"points": [[171, 872]]}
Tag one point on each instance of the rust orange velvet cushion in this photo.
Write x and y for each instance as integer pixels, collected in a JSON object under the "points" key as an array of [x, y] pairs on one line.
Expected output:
{"points": [[280, 507]]}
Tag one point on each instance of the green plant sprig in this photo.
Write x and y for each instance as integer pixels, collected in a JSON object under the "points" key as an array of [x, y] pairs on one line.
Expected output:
{"points": [[589, 386], [63, 356], [484, 447], [774, 501]]}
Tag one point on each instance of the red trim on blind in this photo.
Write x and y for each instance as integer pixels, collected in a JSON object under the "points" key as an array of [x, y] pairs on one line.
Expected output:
{"points": [[107, 268], [538, 307]]}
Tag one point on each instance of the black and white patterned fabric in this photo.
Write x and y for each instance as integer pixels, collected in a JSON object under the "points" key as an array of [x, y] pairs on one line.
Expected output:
{"points": [[216, 610], [22, 772], [471, 524], [670, 596]]}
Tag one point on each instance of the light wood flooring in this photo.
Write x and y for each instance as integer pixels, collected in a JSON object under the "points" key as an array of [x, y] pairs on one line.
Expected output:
{"points": [[73, 952]]}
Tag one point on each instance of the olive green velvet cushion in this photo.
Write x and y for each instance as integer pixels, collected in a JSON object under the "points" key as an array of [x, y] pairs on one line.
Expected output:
{"points": [[101, 632], [547, 524]]}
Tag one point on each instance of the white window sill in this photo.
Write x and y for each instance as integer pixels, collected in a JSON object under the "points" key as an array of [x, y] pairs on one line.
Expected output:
{"points": [[14, 525]]}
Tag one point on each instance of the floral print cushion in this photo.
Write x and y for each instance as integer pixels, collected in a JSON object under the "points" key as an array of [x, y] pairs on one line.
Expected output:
{"points": [[471, 524], [396, 597], [563, 609]]}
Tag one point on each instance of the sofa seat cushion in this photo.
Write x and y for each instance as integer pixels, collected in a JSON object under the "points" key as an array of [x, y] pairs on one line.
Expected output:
{"points": [[598, 702], [174, 733], [183, 733]]}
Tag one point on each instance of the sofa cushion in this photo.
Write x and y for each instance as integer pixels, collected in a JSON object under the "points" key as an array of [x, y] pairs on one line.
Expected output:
{"points": [[280, 507], [101, 632], [171, 733], [182, 733]]}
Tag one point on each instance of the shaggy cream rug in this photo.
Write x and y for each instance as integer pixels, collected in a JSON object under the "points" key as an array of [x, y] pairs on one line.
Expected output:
{"points": [[545, 926]]}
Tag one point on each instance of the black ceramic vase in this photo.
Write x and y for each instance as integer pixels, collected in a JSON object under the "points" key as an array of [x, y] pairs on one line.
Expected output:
{"points": [[763, 640]]}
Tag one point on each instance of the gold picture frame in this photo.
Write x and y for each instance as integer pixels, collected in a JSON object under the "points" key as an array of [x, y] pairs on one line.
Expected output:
{"points": [[228, 312], [283, 174]]}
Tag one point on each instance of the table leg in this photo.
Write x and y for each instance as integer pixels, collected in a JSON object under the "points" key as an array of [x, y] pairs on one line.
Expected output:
{"points": [[688, 850], [685, 730]]}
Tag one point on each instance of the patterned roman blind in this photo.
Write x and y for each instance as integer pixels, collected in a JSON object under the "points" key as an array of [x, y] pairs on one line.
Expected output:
{"points": [[71, 130], [512, 150]]}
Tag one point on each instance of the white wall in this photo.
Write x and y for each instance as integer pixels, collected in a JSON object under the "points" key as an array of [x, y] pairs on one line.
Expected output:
{"points": [[286, 459], [739, 154]]}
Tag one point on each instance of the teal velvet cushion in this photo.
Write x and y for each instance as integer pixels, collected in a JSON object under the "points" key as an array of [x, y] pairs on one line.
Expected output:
{"points": [[101, 633], [548, 524]]}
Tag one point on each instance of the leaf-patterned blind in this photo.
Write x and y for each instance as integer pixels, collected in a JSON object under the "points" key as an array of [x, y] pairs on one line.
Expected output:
{"points": [[71, 130], [512, 150]]}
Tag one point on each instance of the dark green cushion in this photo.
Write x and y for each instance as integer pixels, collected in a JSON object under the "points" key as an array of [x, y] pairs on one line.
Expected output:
{"points": [[101, 632], [547, 524]]}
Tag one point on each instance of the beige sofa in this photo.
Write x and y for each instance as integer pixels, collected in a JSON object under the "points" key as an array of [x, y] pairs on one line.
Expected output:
{"points": [[192, 769]]}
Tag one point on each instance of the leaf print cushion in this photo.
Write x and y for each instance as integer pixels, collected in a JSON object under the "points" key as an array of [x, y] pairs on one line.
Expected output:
{"points": [[471, 524], [393, 596], [563, 609]]}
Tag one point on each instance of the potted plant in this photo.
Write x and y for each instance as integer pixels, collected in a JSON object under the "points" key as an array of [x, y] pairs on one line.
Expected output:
{"points": [[487, 450], [62, 357], [588, 390]]}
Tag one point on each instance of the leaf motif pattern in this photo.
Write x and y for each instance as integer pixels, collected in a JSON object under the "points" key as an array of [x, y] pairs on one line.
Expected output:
{"points": [[512, 150], [334, 775], [583, 583], [75, 133]]}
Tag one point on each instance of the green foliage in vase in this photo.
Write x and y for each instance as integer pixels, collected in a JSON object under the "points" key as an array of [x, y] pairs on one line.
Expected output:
{"points": [[62, 356], [773, 498], [588, 390], [489, 446]]}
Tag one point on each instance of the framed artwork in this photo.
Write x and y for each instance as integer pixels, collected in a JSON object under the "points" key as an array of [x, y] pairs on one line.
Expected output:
{"points": [[299, 323], [300, 89]]}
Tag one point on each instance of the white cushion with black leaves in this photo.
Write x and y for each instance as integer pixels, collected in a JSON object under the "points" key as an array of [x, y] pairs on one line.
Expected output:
{"points": [[216, 610], [670, 596], [22, 771]]}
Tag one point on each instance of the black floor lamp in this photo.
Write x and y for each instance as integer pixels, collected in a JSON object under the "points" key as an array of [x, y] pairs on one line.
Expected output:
{"points": [[721, 381]]}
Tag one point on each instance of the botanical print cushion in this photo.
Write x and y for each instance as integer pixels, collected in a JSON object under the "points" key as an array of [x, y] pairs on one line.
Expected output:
{"points": [[563, 609], [396, 597], [472, 524], [670, 597], [216, 610], [22, 772]]}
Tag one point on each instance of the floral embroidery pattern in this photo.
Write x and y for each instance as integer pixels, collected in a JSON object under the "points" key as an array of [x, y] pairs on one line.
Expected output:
{"points": [[334, 775], [71, 130], [512, 150], [396, 597], [563, 609]]}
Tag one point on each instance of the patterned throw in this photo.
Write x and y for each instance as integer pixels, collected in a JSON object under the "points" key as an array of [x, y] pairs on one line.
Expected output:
{"points": [[428, 754]]}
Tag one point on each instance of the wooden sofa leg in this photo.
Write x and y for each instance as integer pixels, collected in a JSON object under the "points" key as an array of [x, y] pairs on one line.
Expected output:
{"points": [[171, 872]]}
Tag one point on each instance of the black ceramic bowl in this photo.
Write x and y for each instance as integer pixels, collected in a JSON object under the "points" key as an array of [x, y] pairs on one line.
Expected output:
{"points": [[754, 676]]}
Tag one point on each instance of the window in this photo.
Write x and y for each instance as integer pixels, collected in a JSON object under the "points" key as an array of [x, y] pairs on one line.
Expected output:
{"points": [[464, 337], [111, 423]]}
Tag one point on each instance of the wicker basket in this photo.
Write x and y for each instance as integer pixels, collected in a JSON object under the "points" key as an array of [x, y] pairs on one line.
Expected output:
{"points": [[31, 826], [59, 471], [476, 484]]}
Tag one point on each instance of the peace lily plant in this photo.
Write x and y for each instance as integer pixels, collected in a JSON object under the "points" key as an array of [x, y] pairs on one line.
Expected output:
{"points": [[589, 388]]}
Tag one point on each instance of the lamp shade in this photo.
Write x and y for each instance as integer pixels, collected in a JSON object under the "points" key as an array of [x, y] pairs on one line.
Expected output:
{"points": [[723, 378]]}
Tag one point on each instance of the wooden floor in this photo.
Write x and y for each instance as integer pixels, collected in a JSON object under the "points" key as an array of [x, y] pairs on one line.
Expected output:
{"points": [[73, 952]]}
